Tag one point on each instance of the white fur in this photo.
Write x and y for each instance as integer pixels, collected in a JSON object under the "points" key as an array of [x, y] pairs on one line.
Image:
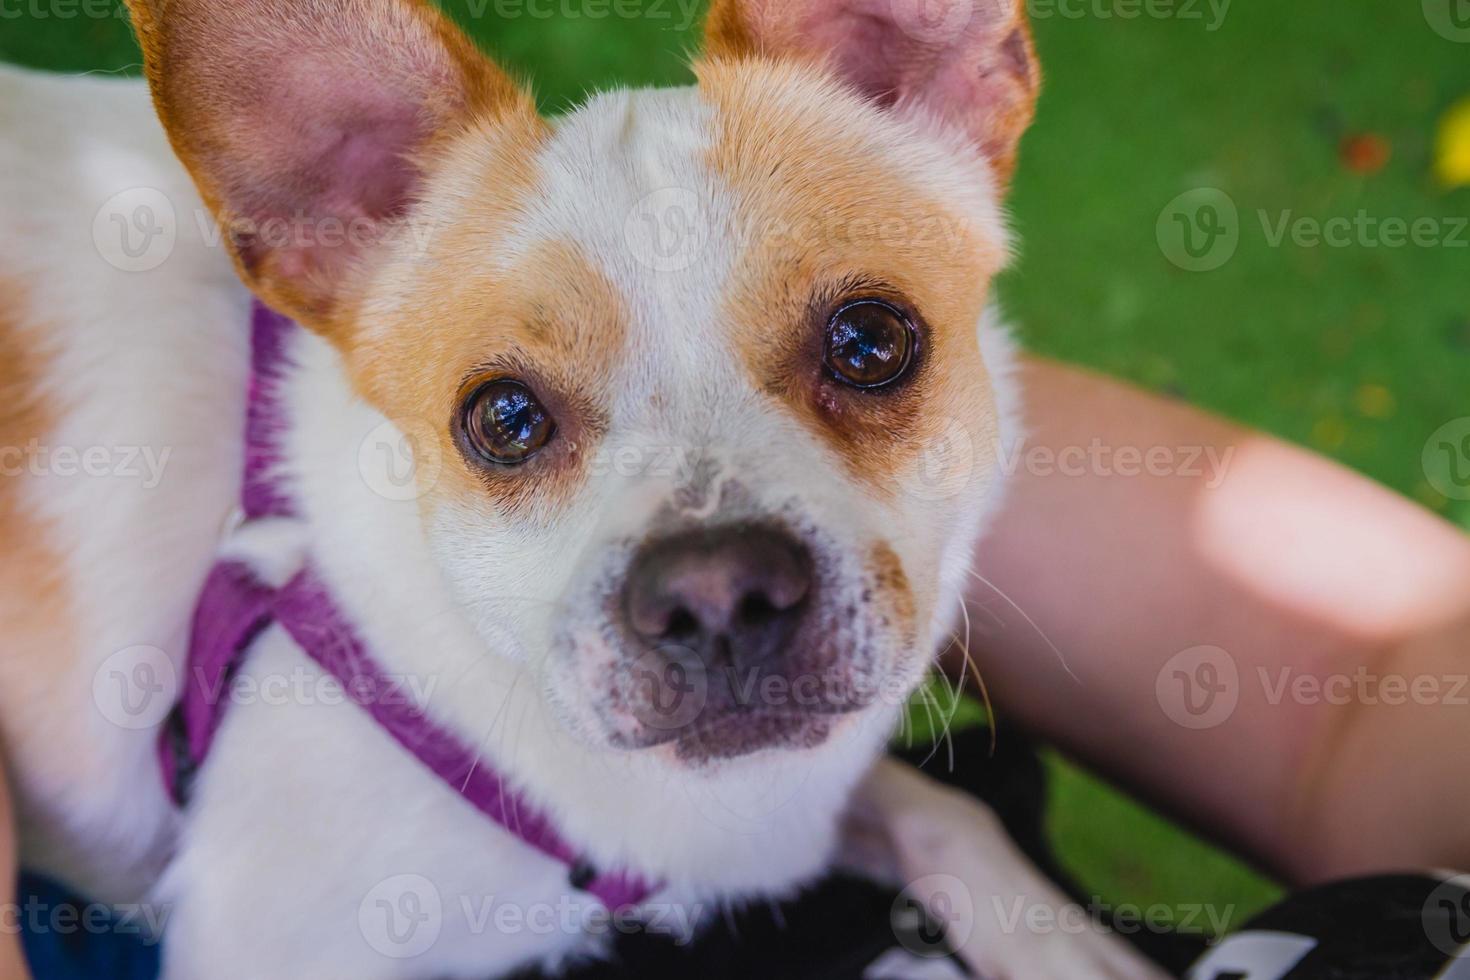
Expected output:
{"points": [[307, 816]]}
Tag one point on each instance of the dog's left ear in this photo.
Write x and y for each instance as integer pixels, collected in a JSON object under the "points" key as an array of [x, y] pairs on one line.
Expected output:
{"points": [[970, 64], [310, 127]]}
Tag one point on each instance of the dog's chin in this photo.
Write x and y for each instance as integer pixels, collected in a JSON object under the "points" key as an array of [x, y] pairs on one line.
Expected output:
{"points": [[717, 737]]}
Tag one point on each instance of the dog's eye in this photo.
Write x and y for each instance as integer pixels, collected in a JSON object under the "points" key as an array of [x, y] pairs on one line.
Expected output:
{"points": [[506, 424], [869, 344]]}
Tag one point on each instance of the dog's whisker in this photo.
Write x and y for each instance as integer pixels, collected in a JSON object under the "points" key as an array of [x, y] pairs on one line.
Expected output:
{"points": [[971, 667], [1029, 621]]}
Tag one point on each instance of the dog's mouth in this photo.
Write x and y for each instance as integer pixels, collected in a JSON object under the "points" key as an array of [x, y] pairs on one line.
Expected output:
{"points": [[710, 714]]}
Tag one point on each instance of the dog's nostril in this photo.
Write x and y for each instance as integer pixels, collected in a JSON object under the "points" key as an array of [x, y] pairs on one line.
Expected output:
{"points": [[757, 609], [682, 624]]}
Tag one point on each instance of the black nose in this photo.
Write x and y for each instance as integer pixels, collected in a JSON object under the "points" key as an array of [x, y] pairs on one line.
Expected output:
{"points": [[734, 596]]}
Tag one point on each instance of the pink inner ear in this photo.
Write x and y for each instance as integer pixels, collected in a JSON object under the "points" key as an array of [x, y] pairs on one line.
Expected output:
{"points": [[326, 157], [964, 61], [866, 51]]}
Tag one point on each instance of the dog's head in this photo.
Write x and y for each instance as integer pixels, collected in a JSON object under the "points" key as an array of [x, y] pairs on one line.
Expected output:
{"points": [[690, 357]]}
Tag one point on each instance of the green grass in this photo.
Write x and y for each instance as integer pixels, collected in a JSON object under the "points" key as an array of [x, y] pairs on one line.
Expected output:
{"points": [[1360, 352]]}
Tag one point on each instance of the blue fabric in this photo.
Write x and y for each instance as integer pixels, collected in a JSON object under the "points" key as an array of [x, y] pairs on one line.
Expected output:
{"points": [[66, 939]]}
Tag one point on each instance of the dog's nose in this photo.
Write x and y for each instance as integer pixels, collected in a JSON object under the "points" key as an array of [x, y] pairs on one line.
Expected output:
{"points": [[733, 596]]}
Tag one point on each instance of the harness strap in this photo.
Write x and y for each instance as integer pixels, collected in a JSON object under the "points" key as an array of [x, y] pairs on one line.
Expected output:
{"points": [[235, 606]]}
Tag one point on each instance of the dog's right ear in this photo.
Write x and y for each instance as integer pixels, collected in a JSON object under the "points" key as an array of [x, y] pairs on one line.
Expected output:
{"points": [[308, 126], [968, 64]]}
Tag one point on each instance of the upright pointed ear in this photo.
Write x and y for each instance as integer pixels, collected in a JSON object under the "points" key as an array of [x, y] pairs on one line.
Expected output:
{"points": [[308, 125], [969, 63]]}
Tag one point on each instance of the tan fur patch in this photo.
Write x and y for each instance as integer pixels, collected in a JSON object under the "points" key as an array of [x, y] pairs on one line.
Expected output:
{"points": [[824, 214], [892, 584], [551, 320], [33, 594]]}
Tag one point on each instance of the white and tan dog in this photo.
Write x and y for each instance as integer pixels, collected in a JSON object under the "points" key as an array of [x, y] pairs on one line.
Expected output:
{"points": [[777, 279]]}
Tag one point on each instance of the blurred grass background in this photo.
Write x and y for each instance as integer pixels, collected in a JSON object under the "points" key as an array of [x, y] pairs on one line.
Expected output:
{"points": [[1360, 352]]}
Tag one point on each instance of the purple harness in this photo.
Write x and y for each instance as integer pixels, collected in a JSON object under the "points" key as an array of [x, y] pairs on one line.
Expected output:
{"points": [[235, 607]]}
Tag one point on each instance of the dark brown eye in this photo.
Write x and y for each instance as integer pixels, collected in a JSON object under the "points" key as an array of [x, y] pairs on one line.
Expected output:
{"points": [[506, 424], [869, 344]]}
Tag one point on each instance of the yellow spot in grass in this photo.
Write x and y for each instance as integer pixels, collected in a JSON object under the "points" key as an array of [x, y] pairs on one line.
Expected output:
{"points": [[1329, 433], [1374, 401], [1452, 149]]}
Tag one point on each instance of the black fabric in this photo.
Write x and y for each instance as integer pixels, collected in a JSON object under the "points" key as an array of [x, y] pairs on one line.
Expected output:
{"points": [[1389, 927]]}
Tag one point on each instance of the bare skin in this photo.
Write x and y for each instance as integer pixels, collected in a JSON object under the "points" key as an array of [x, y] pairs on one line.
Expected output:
{"points": [[1344, 608]]}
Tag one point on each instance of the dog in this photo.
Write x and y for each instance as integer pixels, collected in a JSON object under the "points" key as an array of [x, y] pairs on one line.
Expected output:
{"points": [[564, 425]]}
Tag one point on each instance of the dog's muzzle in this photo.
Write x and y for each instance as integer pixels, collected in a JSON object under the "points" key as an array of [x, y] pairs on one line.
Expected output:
{"points": [[726, 652]]}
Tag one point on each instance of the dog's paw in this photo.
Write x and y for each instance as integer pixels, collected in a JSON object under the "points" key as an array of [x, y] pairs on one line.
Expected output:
{"points": [[1008, 921]]}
